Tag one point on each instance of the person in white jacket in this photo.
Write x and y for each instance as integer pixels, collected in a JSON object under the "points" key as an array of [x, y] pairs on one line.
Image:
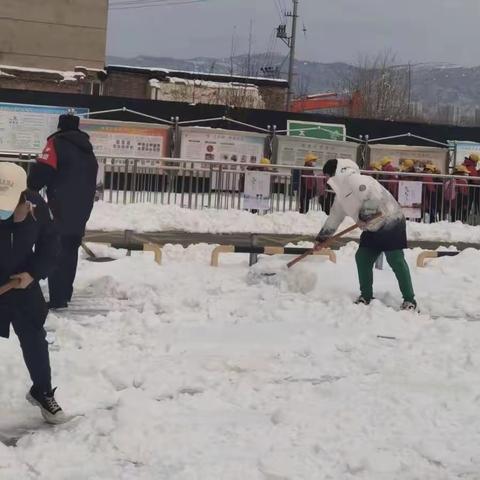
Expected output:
{"points": [[362, 198]]}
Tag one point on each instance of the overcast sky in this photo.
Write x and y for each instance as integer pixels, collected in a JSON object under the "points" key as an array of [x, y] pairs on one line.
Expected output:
{"points": [[338, 30]]}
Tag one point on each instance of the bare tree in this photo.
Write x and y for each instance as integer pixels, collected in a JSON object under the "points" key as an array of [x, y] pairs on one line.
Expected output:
{"points": [[303, 85], [233, 51], [380, 86]]}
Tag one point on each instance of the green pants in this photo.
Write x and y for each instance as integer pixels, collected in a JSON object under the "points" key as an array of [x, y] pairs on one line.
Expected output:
{"points": [[366, 258]]}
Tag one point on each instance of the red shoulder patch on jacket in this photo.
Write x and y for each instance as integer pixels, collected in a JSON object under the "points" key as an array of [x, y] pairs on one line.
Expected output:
{"points": [[49, 155]]}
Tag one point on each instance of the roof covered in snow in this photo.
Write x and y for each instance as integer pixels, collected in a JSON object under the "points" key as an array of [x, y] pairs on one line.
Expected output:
{"points": [[66, 76], [164, 73]]}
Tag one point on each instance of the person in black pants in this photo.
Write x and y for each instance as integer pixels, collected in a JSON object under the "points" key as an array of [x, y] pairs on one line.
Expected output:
{"points": [[28, 245], [68, 169]]}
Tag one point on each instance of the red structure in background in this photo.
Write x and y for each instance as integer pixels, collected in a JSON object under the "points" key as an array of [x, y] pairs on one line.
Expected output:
{"points": [[324, 101]]}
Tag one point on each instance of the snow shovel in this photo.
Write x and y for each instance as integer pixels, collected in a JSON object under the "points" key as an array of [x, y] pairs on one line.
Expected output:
{"points": [[9, 286], [92, 257], [329, 241]]}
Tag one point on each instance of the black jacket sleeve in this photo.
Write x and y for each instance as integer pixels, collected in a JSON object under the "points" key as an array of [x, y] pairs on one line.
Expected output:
{"points": [[47, 244], [40, 176]]}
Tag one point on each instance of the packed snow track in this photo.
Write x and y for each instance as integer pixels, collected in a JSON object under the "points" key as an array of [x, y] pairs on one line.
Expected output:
{"points": [[186, 372]]}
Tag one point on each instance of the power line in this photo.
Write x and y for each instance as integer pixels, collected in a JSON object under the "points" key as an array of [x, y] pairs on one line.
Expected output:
{"points": [[279, 9], [127, 5], [136, 2], [131, 5]]}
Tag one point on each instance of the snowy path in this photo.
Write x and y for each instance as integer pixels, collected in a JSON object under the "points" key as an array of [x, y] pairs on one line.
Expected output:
{"points": [[196, 373]]}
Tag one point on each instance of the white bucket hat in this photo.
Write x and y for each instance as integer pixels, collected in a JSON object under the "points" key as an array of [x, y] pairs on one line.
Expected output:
{"points": [[13, 181]]}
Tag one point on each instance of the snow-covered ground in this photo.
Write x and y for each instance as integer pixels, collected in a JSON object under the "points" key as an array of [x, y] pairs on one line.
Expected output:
{"points": [[147, 217], [197, 373]]}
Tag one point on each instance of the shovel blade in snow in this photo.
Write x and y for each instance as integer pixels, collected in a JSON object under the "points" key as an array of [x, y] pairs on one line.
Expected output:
{"points": [[100, 259]]}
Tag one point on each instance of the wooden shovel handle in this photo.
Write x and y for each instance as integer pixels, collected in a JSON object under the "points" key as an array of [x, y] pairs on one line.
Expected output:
{"points": [[9, 286], [328, 242]]}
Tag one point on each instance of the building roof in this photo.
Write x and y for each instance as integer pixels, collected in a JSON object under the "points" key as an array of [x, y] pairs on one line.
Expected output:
{"points": [[164, 74]]}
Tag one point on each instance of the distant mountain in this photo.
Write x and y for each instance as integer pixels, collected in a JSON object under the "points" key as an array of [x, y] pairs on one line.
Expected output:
{"points": [[435, 87]]}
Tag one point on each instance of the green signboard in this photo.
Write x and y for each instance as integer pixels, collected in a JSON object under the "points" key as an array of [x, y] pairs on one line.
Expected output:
{"points": [[323, 131]]}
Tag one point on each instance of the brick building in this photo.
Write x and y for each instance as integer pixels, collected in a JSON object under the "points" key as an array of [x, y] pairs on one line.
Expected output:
{"points": [[152, 84], [193, 87]]}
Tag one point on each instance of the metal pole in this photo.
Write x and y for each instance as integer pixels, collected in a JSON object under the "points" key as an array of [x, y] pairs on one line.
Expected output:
{"points": [[293, 40]]}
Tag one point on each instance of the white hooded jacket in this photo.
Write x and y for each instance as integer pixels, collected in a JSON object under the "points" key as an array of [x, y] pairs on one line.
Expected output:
{"points": [[357, 194]]}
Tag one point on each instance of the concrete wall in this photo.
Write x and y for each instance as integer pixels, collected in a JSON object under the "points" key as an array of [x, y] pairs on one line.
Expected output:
{"points": [[53, 34], [210, 93]]}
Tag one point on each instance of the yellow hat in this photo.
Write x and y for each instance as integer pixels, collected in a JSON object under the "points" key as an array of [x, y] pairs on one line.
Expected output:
{"points": [[310, 157], [265, 161], [376, 166], [461, 169], [406, 164], [429, 167], [475, 157], [385, 161]]}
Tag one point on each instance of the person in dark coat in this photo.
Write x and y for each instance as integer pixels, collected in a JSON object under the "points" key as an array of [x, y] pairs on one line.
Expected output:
{"points": [[28, 245], [68, 169]]}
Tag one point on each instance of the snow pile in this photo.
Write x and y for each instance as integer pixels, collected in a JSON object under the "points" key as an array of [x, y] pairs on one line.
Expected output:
{"points": [[147, 217], [202, 375], [155, 83]]}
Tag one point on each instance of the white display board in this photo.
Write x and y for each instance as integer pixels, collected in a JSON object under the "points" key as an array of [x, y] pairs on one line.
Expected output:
{"points": [[209, 144], [132, 140], [292, 150], [257, 190], [410, 198], [25, 128]]}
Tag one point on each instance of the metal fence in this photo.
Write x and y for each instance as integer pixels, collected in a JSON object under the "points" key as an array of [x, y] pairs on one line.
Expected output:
{"points": [[197, 185]]}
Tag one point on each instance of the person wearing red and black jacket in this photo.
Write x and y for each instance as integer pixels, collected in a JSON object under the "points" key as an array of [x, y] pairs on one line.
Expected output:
{"points": [[68, 169], [432, 192], [471, 163], [28, 246], [456, 195], [311, 186], [391, 181]]}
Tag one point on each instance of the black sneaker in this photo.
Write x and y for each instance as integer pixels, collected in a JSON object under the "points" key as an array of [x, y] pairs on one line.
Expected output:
{"points": [[362, 301], [409, 306], [51, 410]]}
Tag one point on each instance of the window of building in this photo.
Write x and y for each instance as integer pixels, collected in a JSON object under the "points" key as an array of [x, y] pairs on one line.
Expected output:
{"points": [[94, 88]]}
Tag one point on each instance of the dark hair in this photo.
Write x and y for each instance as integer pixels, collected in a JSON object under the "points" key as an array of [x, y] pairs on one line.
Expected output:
{"points": [[330, 167]]}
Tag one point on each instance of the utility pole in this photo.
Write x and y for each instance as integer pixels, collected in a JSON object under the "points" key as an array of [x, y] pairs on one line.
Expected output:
{"points": [[290, 41], [293, 39]]}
